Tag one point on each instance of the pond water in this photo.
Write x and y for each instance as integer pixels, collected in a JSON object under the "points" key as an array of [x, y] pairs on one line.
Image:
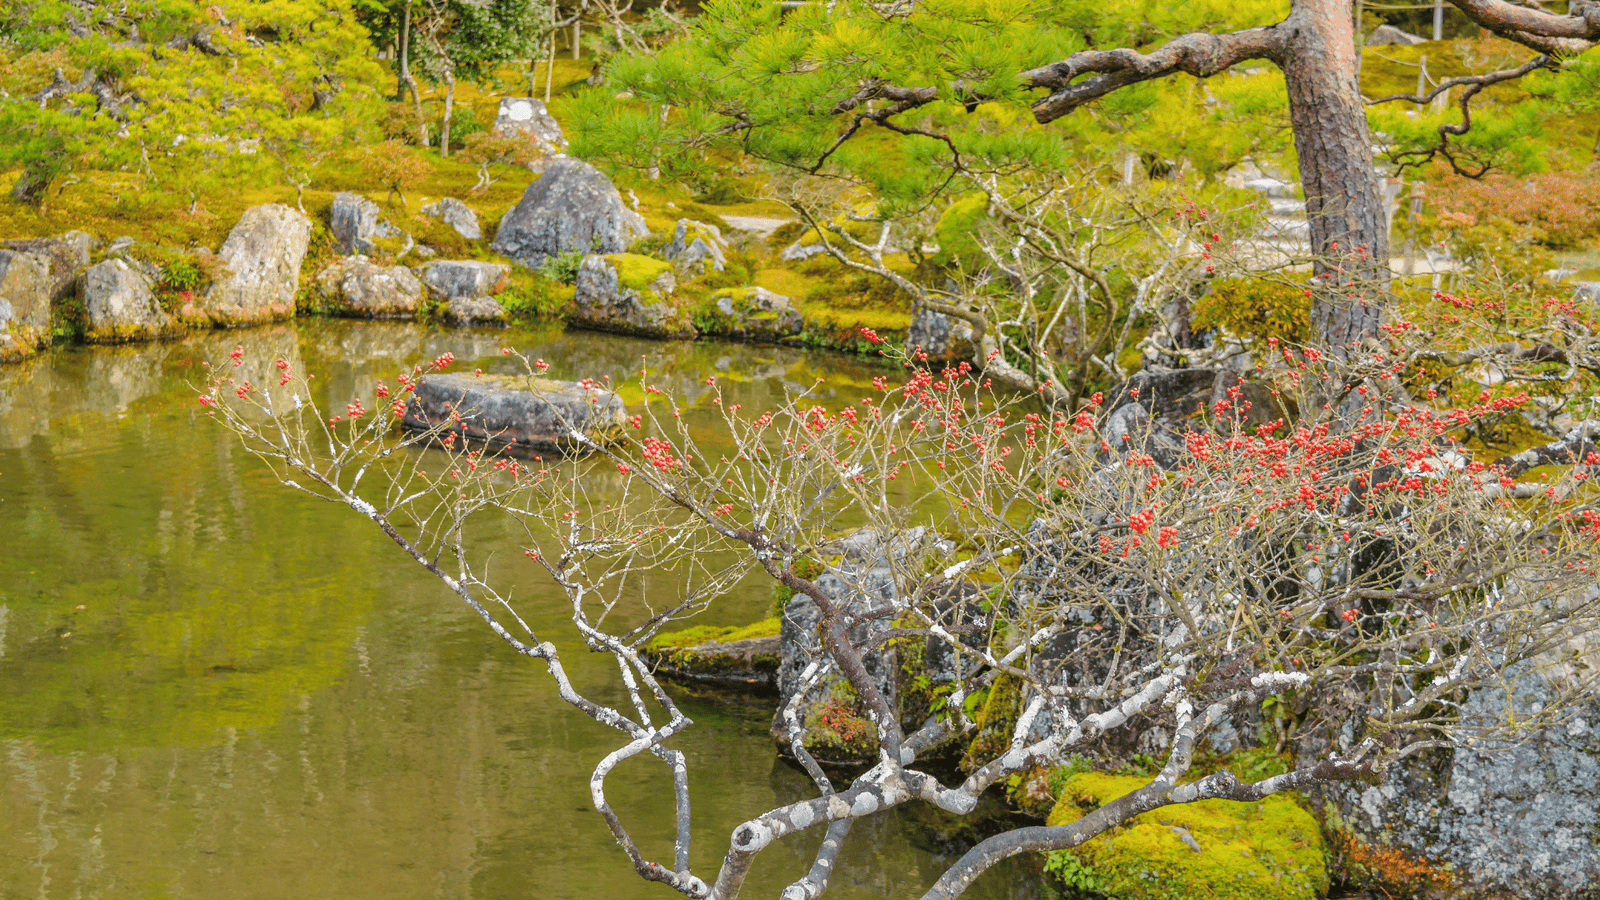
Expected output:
{"points": [[212, 686]]}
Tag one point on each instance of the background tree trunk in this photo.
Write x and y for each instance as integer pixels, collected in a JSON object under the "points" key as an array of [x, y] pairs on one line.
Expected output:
{"points": [[1344, 199], [449, 108], [406, 77]]}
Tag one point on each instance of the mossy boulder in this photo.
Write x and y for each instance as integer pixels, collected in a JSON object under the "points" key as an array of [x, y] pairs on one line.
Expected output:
{"points": [[697, 248], [261, 259], [630, 294], [739, 658], [358, 287], [751, 314], [1212, 850], [119, 305]]}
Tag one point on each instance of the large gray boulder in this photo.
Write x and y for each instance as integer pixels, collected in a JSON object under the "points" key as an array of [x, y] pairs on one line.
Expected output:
{"points": [[450, 279], [35, 274], [457, 215], [262, 257], [696, 247], [25, 288], [752, 314], [527, 116], [120, 306], [65, 255], [1504, 821], [356, 286], [515, 413], [357, 224], [571, 207], [629, 294]]}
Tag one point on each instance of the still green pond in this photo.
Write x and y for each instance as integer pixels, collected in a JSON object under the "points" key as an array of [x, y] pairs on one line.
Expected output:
{"points": [[214, 687]]}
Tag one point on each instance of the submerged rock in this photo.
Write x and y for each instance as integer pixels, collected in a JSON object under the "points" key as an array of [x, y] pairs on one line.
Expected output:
{"points": [[262, 257], [356, 286], [571, 207], [120, 306], [629, 294], [518, 414]]}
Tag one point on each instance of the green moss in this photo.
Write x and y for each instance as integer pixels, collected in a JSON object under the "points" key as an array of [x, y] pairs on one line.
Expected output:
{"points": [[707, 634], [996, 719], [1256, 308], [954, 232], [637, 272], [1268, 850]]}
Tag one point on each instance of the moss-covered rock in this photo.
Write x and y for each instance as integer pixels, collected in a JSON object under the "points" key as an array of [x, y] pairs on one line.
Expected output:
{"points": [[751, 314], [630, 294], [741, 658], [1211, 850]]}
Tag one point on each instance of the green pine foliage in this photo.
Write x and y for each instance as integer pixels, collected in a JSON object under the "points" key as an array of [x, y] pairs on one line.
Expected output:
{"points": [[787, 85]]}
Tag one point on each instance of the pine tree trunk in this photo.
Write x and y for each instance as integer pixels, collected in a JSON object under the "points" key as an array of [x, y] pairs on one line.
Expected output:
{"points": [[1344, 199]]}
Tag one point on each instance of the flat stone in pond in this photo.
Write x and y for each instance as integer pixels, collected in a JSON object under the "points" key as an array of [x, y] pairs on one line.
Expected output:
{"points": [[744, 665], [516, 413]]}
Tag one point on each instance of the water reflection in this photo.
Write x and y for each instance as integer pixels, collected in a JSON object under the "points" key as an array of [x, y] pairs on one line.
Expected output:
{"points": [[212, 686]]}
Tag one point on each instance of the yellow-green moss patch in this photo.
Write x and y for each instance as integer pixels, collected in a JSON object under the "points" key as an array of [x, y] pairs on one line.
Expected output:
{"points": [[706, 634], [637, 272], [1268, 850]]}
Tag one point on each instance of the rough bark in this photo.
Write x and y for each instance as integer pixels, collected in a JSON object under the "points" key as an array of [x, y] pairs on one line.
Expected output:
{"points": [[1344, 202]]}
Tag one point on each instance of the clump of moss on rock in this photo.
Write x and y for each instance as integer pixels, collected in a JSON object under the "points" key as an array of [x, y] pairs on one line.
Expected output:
{"points": [[1268, 850], [740, 657]]}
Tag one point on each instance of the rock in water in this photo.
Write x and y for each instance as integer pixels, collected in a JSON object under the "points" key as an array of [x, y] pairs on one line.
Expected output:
{"points": [[24, 305], [471, 279], [65, 254], [34, 274], [457, 215], [516, 413], [356, 286], [120, 305], [525, 115], [476, 311], [752, 314], [629, 294], [571, 207], [942, 338], [357, 223], [262, 255]]}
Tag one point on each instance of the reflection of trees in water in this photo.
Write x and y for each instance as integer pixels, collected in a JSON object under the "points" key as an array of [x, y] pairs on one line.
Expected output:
{"points": [[245, 708]]}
